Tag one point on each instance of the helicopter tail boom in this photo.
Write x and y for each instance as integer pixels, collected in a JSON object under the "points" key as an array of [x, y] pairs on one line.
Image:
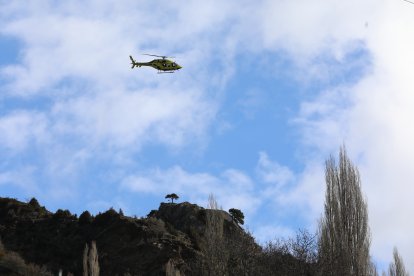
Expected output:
{"points": [[134, 63]]}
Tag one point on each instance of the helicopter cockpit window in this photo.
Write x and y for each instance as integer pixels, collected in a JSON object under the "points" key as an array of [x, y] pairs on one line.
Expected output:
{"points": [[173, 64]]}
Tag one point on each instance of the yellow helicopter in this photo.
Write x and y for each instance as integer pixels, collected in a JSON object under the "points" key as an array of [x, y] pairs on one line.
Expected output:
{"points": [[162, 64]]}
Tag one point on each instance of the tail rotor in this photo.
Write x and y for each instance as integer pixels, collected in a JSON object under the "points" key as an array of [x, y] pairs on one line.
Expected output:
{"points": [[133, 62]]}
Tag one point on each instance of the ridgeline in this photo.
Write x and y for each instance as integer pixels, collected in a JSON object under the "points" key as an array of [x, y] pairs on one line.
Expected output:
{"points": [[177, 239]]}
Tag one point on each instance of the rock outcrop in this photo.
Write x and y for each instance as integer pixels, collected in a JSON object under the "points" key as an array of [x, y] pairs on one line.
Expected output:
{"points": [[177, 239], [170, 241]]}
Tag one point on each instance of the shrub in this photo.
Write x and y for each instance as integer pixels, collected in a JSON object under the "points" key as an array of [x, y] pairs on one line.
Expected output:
{"points": [[34, 203], [32, 269], [85, 218], [62, 214], [13, 262], [107, 217], [152, 213]]}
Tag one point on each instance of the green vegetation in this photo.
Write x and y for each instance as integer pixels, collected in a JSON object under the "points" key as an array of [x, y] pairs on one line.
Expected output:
{"points": [[85, 218], [237, 215], [33, 202], [172, 197]]}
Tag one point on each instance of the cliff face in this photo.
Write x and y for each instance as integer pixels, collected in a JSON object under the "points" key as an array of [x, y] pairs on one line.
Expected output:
{"points": [[172, 240]]}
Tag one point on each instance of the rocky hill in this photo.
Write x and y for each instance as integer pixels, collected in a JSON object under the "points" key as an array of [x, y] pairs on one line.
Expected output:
{"points": [[176, 239]]}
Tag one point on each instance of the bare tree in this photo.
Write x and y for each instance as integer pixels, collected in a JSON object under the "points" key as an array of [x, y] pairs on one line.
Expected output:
{"points": [[397, 267], [90, 260], [293, 256], [303, 247], [85, 260], [212, 203], [215, 252], [243, 255], [344, 236]]}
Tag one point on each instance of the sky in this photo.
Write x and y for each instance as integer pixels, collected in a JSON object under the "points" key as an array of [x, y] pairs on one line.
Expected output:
{"points": [[269, 89]]}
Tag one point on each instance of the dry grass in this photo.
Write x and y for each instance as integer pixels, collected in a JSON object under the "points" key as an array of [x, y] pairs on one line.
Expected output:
{"points": [[12, 264]]}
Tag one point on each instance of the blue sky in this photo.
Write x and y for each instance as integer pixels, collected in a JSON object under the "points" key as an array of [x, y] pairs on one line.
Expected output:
{"points": [[268, 90]]}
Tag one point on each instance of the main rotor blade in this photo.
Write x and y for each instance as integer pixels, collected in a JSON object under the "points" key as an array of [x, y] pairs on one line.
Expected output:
{"points": [[164, 57]]}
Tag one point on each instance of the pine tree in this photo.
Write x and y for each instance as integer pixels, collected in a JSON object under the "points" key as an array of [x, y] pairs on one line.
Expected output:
{"points": [[172, 197]]}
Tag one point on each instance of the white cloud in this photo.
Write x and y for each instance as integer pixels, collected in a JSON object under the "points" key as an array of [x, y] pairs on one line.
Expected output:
{"points": [[22, 128], [236, 189], [92, 110], [20, 177], [273, 173], [306, 197], [251, 102], [93, 42], [373, 118], [124, 119], [232, 188], [376, 127], [380, 131], [78, 59], [307, 28]]}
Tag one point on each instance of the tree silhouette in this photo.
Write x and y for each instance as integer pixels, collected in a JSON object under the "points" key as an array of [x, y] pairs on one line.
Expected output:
{"points": [[33, 202], [172, 197], [237, 215], [85, 218]]}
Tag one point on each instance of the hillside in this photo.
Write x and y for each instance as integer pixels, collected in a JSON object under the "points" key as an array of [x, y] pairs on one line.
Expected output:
{"points": [[176, 239]]}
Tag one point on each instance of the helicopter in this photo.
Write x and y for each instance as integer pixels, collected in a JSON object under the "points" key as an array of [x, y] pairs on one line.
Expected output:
{"points": [[163, 65]]}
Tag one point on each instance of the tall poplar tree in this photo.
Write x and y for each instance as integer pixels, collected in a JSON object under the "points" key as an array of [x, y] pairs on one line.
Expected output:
{"points": [[344, 236]]}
